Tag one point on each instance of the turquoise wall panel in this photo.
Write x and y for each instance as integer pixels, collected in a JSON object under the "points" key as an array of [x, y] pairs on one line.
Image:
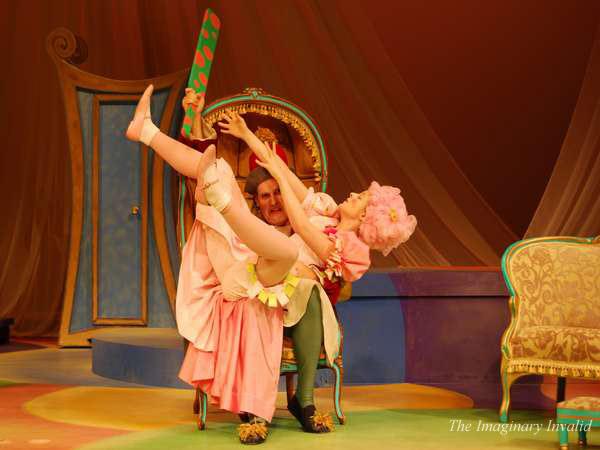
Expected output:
{"points": [[120, 232], [81, 314]]}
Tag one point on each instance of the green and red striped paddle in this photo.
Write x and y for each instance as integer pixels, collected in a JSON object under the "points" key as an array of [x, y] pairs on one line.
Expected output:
{"points": [[205, 51]]}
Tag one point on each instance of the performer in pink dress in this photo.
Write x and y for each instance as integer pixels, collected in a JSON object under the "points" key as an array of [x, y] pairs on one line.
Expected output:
{"points": [[373, 219], [236, 342]]}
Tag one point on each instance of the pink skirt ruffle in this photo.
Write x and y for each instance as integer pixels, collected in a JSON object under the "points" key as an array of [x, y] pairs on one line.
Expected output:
{"points": [[242, 373]]}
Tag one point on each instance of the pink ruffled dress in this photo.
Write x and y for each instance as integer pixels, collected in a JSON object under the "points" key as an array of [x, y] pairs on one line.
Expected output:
{"points": [[350, 259], [235, 336], [235, 346]]}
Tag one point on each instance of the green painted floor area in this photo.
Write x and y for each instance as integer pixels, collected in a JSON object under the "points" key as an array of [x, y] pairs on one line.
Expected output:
{"points": [[4, 383], [383, 429]]}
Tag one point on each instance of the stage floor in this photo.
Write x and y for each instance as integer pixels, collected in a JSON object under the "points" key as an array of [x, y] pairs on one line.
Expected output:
{"points": [[50, 399]]}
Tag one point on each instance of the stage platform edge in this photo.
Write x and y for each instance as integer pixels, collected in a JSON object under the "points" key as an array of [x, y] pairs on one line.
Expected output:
{"points": [[148, 356], [426, 326]]}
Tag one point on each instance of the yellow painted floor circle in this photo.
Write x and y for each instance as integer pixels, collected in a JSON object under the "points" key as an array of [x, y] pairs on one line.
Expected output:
{"points": [[136, 409]]}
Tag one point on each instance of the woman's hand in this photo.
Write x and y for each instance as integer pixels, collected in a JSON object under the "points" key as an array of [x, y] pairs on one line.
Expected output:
{"points": [[272, 162], [234, 125]]}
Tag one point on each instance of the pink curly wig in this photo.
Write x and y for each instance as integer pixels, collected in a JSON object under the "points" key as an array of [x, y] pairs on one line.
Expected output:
{"points": [[386, 224]]}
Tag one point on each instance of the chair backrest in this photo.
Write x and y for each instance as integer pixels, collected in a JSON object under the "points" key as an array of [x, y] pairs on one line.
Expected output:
{"points": [[294, 129], [554, 281]]}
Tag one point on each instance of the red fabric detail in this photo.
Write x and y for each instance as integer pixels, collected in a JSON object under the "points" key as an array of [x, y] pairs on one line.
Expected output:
{"points": [[330, 230], [354, 259], [197, 144], [332, 289], [280, 152]]}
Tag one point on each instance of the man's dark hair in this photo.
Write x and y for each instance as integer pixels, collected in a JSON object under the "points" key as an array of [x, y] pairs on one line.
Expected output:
{"points": [[254, 178]]}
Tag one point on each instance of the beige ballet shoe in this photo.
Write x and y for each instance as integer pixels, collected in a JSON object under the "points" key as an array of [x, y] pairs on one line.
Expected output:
{"points": [[142, 112], [206, 159], [217, 193]]}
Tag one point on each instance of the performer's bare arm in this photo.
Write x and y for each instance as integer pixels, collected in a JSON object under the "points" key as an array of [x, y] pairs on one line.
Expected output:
{"points": [[236, 126], [311, 235]]}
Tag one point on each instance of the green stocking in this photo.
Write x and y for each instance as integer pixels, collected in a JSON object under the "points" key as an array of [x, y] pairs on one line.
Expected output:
{"points": [[308, 338]]}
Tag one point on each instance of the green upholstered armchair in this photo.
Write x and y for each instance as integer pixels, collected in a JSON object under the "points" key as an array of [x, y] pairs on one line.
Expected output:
{"points": [[554, 283]]}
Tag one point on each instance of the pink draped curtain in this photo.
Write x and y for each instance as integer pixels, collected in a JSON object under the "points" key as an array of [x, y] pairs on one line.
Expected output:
{"points": [[571, 202]]}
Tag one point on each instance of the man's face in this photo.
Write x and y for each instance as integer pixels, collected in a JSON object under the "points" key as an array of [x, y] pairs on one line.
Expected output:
{"points": [[268, 199]]}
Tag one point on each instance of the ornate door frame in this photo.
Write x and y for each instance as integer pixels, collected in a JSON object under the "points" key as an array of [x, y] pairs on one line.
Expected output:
{"points": [[66, 49]]}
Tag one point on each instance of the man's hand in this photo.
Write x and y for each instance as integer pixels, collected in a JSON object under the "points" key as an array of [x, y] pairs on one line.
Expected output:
{"points": [[196, 101], [234, 125], [193, 99]]}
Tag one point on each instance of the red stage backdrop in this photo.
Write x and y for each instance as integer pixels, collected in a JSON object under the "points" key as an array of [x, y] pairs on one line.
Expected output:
{"points": [[464, 105]]}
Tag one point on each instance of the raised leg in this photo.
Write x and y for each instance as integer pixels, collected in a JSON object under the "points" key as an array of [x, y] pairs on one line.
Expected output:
{"points": [[277, 252], [141, 129]]}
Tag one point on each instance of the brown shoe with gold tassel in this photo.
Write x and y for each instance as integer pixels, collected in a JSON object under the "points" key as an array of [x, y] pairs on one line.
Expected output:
{"points": [[311, 420], [253, 432]]}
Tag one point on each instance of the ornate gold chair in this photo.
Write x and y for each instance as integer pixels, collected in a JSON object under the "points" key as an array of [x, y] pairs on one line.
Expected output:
{"points": [[554, 283], [298, 134]]}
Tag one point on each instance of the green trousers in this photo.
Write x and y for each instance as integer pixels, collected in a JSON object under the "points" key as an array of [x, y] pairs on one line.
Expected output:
{"points": [[308, 338]]}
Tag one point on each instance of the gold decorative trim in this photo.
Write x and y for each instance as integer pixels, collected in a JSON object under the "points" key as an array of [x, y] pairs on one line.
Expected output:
{"points": [[144, 247], [129, 321], [66, 45], [277, 112], [95, 203], [77, 338], [558, 368]]}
